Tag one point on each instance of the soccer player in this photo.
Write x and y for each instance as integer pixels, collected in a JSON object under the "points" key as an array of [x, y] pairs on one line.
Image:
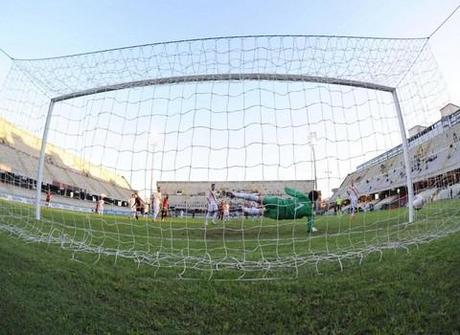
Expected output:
{"points": [[338, 205], [156, 201], [101, 206], [297, 206], [164, 208], [353, 197], [211, 199], [139, 205], [226, 211], [220, 215], [48, 199], [132, 204]]}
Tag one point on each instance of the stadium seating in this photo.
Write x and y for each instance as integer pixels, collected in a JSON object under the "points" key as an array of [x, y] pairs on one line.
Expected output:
{"points": [[22, 164], [428, 194], [449, 192], [385, 202], [432, 154], [58, 201], [19, 152]]}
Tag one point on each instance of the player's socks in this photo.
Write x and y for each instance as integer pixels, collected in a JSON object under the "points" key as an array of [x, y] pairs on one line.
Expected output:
{"points": [[207, 218]]}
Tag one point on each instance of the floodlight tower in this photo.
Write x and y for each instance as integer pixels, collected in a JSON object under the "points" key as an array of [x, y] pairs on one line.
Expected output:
{"points": [[312, 137]]}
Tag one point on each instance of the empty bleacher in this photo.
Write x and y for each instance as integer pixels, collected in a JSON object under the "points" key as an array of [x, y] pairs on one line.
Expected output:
{"points": [[432, 155], [449, 192], [19, 152], [9, 191]]}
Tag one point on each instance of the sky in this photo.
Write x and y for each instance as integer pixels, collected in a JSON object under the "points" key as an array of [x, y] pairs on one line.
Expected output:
{"points": [[34, 29]]}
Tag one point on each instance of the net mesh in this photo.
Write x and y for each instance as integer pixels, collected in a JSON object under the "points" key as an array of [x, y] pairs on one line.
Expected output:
{"points": [[235, 112]]}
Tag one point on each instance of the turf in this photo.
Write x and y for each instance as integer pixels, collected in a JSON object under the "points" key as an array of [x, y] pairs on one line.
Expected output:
{"points": [[255, 247], [48, 289]]}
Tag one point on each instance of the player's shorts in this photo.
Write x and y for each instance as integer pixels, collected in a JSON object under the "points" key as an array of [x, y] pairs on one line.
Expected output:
{"points": [[212, 207]]}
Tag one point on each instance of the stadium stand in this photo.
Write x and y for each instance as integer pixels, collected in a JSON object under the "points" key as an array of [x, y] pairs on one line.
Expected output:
{"points": [[386, 202], [65, 174], [429, 194], [434, 155], [435, 163], [25, 195], [449, 192]]}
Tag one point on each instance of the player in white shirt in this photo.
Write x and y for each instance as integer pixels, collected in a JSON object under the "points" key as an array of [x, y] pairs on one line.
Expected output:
{"points": [[100, 206], [131, 204], [156, 201], [211, 199], [353, 195]]}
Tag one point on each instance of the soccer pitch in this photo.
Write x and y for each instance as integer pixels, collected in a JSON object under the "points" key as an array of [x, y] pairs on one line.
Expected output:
{"points": [[238, 249], [52, 288]]}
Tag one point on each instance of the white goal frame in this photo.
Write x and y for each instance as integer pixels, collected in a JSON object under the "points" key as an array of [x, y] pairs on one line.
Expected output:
{"points": [[229, 77]]}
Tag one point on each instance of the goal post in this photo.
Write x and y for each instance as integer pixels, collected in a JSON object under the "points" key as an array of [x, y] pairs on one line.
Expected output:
{"points": [[231, 77], [41, 161], [258, 116], [405, 146]]}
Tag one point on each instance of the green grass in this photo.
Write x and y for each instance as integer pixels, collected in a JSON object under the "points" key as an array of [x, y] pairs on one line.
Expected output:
{"points": [[45, 289], [260, 248]]}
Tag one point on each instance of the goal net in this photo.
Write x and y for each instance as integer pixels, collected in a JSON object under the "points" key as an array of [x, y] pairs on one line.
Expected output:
{"points": [[253, 115]]}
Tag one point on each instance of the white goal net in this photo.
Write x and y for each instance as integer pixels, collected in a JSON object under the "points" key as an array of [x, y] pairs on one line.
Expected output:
{"points": [[254, 115]]}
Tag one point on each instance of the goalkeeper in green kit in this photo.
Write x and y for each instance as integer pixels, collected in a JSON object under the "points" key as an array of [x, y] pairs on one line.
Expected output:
{"points": [[299, 205]]}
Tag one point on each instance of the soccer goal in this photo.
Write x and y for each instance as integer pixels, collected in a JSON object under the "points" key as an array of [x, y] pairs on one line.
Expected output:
{"points": [[200, 158]]}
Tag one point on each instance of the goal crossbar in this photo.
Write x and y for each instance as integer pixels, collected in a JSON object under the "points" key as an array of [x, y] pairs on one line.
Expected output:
{"points": [[225, 77]]}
